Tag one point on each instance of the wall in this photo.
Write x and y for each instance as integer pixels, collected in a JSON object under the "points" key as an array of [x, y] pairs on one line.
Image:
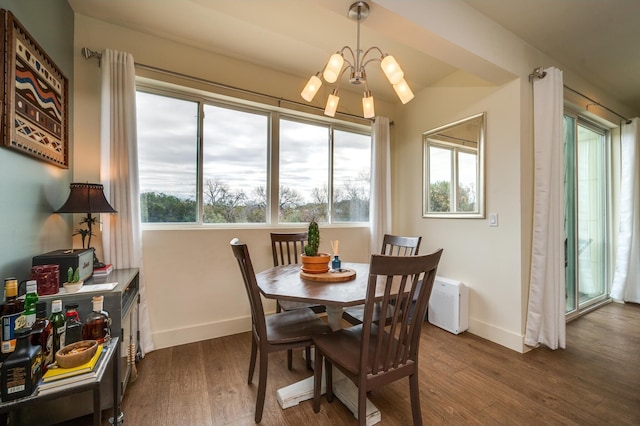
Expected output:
{"points": [[31, 189]]}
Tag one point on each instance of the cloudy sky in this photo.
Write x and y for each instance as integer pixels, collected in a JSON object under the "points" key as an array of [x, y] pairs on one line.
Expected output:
{"points": [[236, 149]]}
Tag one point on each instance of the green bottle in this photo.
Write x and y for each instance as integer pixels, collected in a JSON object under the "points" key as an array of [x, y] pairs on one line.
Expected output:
{"points": [[59, 325], [30, 302]]}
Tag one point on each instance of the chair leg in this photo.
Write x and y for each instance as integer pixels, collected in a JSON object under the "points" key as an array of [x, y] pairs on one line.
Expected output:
{"points": [[317, 380], [262, 385], [289, 359], [252, 361], [362, 407], [328, 374], [307, 354], [414, 390]]}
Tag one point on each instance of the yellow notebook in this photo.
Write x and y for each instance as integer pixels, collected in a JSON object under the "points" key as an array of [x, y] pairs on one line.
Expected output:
{"points": [[61, 373]]}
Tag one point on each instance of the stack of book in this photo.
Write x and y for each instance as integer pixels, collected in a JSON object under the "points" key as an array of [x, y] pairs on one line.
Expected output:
{"points": [[103, 271], [56, 378]]}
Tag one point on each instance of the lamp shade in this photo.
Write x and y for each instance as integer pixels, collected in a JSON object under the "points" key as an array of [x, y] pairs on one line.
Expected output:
{"points": [[368, 110], [332, 104], [403, 91], [311, 88], [332, 70], [391, 69], [86, 198]]}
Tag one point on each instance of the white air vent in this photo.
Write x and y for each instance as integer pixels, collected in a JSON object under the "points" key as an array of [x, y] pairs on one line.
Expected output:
{"points": [[449, 305]]}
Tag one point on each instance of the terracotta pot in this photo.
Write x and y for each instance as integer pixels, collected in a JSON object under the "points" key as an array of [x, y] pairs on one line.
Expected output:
{"points": [[315, 264]]}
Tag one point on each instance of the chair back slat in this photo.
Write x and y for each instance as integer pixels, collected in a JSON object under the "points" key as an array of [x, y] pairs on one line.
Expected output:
{"points": [[241, 253], [395, 345], [287, 247], [394, 245]]}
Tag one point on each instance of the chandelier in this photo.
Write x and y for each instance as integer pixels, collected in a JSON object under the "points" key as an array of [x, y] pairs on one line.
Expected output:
{"points": [[355, 62]]}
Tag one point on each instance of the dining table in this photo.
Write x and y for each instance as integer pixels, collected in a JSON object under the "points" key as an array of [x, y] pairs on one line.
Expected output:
{"points": [[287, 283]]}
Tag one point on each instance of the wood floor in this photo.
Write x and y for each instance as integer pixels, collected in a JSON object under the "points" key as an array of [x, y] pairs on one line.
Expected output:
{"points": [[463, 380]]}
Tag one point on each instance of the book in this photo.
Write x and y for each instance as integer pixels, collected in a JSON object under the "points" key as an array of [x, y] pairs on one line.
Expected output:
{"points": [[103, 271], [53, 374]]}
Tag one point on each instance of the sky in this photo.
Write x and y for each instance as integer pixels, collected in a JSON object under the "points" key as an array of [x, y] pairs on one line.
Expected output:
{"points": [[235, 149]]}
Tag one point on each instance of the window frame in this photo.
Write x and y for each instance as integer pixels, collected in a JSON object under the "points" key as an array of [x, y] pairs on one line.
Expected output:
{"points": [[274, 114]]}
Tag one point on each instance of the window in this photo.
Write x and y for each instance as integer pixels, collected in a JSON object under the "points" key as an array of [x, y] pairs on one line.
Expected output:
{"points": [[204, 161]]}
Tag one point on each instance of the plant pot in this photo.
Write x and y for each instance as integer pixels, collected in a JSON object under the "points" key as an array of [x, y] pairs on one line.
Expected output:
{"points": [[318, 264], [73, 287]]}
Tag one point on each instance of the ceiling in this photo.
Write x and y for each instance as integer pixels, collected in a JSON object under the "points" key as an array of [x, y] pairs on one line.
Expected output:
{"points": [[595, 38]]}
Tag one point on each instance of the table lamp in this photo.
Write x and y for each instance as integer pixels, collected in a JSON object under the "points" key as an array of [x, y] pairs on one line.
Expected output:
{"points": [[87, 198]]}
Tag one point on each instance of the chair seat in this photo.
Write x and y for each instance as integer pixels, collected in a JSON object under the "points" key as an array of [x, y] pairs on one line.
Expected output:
{"points": [[294, 326], [343, 347], [290, 305]]}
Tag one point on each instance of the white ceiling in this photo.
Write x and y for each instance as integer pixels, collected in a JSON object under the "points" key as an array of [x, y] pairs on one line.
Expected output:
{"points": [[596, 38]]}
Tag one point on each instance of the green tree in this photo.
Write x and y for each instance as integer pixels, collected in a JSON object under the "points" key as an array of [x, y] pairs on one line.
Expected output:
{"points": [[160, 207]]}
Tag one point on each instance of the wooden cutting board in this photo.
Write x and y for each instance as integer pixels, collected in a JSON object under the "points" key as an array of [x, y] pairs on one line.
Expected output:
{"points": [[334, 277]]}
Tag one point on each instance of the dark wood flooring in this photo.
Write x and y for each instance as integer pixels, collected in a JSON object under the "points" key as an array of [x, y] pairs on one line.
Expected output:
{"points": [[465, 380]]}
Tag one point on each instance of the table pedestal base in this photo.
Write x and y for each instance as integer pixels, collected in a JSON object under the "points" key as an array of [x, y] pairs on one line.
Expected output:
{"points": [[343, 389]]}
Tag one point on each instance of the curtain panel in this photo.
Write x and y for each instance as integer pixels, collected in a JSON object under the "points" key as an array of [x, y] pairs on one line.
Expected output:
{"points": [[122, 235], [380, 204], [546, 322]]}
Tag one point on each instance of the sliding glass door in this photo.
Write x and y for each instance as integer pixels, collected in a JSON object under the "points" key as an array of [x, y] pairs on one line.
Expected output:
{"points": [[586, 217]]}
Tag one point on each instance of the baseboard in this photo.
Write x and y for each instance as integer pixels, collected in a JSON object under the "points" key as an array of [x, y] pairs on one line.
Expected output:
{"points": [[509, 339], [196, 333]]}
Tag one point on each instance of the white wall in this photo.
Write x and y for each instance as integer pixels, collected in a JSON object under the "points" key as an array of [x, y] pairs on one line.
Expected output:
{"points": [[487, 259]]}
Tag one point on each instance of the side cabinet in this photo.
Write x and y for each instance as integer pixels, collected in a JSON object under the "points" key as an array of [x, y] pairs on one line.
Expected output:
{"points": [[121, 302]]}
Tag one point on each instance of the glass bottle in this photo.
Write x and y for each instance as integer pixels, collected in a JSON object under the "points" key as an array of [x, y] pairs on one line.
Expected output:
{"points": [[11, 317], [97, 325], [30, 301], [21, 371], [42, 334], [58, 321], [73, 326], [335, 263]]}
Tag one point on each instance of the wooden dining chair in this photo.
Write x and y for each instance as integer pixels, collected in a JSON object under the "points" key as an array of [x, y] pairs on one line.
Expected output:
{"points": [[277, 332], [286, 249], [370, 355], [392, 245]]}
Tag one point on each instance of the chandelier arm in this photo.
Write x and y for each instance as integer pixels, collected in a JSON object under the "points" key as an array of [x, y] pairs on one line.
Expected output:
{"points": [[382, 54], [353, 56], [344, 69]]}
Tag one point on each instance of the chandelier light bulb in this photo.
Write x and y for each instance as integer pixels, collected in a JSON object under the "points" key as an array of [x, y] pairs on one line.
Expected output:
{"points": [[403, 91], [332, 104], [332, 70], [391, 69], [312, 87], [368, 110]]}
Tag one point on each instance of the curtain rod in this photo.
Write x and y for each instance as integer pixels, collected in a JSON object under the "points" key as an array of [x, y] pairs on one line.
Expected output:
{"points": [[89, 54], [539, 73]]}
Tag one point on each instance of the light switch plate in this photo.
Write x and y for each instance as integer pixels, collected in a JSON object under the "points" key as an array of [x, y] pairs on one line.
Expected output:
{"points": [[493, 219]]}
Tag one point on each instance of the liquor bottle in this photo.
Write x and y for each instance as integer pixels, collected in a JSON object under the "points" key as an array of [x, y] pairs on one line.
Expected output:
{"points": [[30, 301], [21, 371], [42, 334], [97, 325], [58, 322], [73, 326], [11, 317]]}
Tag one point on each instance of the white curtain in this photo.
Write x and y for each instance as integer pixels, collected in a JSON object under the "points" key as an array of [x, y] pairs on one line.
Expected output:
{"points": [[122, 237], [380, 204], [626, 280], [546, 310]]}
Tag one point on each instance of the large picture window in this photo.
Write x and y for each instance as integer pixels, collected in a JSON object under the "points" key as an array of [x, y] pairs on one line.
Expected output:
{"points": [[203, 161]]}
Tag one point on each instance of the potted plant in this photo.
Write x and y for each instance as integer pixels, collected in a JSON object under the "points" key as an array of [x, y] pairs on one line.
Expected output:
{"points": [[74, 282], [312, 261]]}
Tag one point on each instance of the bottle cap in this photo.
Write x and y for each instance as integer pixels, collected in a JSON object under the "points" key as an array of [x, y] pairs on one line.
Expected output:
{"points": [[56, 306], [11, 287]]}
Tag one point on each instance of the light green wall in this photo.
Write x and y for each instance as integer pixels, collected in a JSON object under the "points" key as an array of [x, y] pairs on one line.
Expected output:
{"points": [[30, 189]]}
